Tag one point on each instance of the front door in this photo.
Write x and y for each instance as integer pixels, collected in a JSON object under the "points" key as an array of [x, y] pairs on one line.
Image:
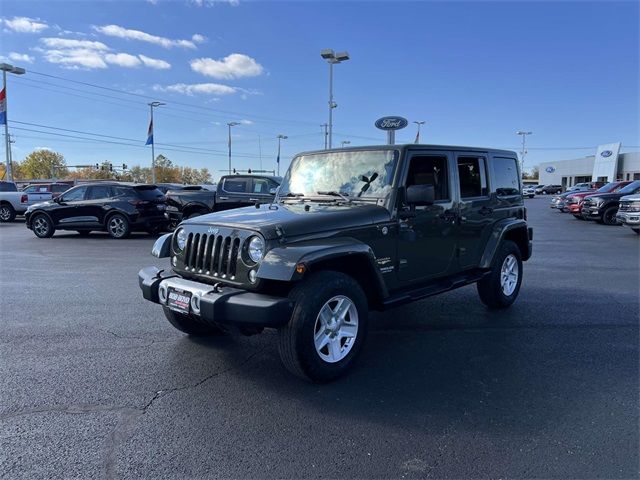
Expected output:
{"points": [[476, 207], [68, 209], [427, 237]]}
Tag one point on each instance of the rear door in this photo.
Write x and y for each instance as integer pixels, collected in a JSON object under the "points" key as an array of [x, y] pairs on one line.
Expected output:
{"points": [[234, 192], [475, 207], [504, 183], [94, 208]]}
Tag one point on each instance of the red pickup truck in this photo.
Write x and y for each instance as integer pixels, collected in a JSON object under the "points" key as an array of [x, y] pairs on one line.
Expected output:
{"points": [[574, 202]]}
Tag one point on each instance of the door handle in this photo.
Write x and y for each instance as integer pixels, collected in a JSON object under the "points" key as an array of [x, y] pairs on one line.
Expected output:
{"points": [[223, 198], [254, 199], [485, 211]]}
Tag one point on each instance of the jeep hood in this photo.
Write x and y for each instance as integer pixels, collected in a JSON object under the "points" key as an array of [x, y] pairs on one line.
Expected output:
{"points": [[296, 219]]}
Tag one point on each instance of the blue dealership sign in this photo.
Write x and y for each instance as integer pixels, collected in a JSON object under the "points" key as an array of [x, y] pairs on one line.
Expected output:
{"points": [[606, 153], [391, 123], [550, 169]]}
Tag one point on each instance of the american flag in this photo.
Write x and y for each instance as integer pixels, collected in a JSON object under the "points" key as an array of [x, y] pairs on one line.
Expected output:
{"points": [[150, 133], [3, 107]]}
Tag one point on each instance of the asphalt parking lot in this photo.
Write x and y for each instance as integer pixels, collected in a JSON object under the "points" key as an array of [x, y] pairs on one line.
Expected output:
{"points": [[95, 383]]}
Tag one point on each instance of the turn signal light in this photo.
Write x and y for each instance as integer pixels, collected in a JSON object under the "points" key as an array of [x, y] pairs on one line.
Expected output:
{"points": [[301, 268]]}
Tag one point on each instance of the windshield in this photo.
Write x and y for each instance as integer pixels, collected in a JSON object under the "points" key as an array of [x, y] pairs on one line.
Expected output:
{"points": [[353, 174], [631, 188]]}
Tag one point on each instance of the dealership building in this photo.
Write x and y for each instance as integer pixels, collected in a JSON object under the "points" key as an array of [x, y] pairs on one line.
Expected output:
{"points": [[606, 165]]}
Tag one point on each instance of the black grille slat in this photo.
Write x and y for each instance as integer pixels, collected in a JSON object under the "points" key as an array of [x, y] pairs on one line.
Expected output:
{"points": [[215, 256], [200, 257], [206, 261]]}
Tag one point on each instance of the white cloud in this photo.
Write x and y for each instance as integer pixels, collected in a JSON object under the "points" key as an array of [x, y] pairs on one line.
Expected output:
{"points": [[75, 58], [73, 43], [121, 32], [197, 38], [154, 63], [197, 88], [210, 3], [235, 65], [246, 122], [24, 25], [17, 57], [122, 59]]}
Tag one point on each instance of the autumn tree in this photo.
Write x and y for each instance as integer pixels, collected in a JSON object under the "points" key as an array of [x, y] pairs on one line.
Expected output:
{"points": [[16, 170], [43, 163], [195, 176], [166, 172]]}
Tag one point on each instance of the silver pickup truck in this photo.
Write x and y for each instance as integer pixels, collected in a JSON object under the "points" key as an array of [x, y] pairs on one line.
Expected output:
{"points": [[14, 202]]}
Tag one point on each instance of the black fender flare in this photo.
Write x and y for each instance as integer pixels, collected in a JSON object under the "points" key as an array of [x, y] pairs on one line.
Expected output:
{"points": [[500, 231], [45, 213], [280, 262], [194, 206]]}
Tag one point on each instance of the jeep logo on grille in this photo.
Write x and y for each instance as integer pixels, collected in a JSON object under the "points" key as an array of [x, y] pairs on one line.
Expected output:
{"points": [[606, 153], [391, 123], [213, 230]]}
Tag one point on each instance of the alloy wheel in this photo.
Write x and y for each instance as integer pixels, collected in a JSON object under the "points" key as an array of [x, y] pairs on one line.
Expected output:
{"points": [[41, 226], [509, 275], [117, 227], [5, 213], [335, 329]]}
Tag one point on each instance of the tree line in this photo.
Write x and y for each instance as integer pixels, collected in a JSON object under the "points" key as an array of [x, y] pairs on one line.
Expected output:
{"points": [[49, 164]]}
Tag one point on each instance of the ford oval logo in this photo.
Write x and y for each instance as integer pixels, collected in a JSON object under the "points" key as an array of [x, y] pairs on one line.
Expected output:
{"points": [[391, 123], [550, 169], [606, 153]]}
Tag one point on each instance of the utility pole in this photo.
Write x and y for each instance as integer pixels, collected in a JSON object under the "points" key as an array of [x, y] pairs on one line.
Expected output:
{"points": [[150, 140], [524, 150], [280, 137], [332, 58], [231, 124], [4, 115], [326, 134]]}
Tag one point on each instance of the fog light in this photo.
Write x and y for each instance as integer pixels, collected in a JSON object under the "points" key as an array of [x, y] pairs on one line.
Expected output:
{"points": [[174, 261], [253, 276]]}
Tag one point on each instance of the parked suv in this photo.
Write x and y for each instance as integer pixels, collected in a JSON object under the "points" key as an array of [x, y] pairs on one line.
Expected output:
{"points": [[113, 207], [549, 189], [604, 206], [352, 230], [573, 202]]}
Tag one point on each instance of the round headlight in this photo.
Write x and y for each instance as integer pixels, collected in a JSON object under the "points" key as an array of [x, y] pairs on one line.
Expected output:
{"points": [[181, 239], [256, 249]]}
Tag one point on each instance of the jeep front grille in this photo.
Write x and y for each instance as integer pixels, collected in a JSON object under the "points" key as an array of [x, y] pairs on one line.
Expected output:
{"points": [[215, 255]]}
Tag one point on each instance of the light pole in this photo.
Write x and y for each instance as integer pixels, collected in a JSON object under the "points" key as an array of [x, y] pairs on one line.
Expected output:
{"points": [[419, 124], [524, 150], [5, 67], [345, 142], [231, 124], [332, 58], [280, 138], [150, 140]]}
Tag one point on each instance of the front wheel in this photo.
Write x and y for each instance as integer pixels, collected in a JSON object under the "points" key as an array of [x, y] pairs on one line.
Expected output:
{"points": [[118, 226], [327, 328], [609, 216], [7, 213], [637, 230], [188, 325], [42, 226], [500, 288]]}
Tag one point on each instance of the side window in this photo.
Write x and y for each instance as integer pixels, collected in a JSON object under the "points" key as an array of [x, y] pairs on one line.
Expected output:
{"points": [[122, 192], [232, 185], [504, 180], [30, 189], [99, 192], [430, 170], [472, 176], [261, 186], [75, 194]]}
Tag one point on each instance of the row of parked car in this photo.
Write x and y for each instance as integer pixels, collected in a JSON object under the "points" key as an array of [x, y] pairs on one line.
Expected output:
{"points": [[121, 208], [615, 203]]}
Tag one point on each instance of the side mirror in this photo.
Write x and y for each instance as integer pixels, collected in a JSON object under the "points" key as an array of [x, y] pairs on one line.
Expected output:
{"points": [[57, 199], [420, 195], [272, 191]]}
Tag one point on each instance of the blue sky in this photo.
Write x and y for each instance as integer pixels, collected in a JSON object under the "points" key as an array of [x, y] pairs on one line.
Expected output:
{"points": [[474, 71]]}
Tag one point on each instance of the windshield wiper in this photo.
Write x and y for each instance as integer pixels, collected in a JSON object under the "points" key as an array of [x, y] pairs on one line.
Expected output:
{"points": [[333, 193], [291, 194]]}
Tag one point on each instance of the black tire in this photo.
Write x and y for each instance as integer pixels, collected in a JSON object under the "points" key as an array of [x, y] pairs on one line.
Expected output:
{"points": [[42, 226], [490, 287], [579, 217], [637, 230], [188, 325], [296, 340], [7, 213], [83, 233], [609, 216], [118, 226]]}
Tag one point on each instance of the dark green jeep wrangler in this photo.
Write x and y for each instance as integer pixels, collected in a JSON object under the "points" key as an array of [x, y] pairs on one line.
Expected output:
{"points": [[350, 230]]}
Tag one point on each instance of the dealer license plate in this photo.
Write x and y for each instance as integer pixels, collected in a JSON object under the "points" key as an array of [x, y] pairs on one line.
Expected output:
{"points": [[179, 300]]}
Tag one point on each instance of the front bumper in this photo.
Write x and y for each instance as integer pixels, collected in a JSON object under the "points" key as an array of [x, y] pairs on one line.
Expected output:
{"points": [[631, 219], [591, 212], [218, 305]]}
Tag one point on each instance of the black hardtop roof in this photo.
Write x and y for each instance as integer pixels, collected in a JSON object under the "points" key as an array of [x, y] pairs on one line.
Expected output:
{"points": [[414, 146]]}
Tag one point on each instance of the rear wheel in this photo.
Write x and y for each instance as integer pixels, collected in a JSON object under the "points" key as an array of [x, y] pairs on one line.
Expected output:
{"points": [[609, 216], [501, 287], [188, 325], [7, 213], [327, 327], [42, 226], [118, 226], [637, 230]]}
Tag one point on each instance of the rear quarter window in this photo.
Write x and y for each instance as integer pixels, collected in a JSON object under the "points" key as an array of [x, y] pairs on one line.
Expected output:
{"points": [[505, 179], [149, 193], [8, 187]]}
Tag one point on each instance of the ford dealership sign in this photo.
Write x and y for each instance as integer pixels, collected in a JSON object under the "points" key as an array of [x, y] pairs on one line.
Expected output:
{"points": [[391, 123], [550, 169], [606, 153]]}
